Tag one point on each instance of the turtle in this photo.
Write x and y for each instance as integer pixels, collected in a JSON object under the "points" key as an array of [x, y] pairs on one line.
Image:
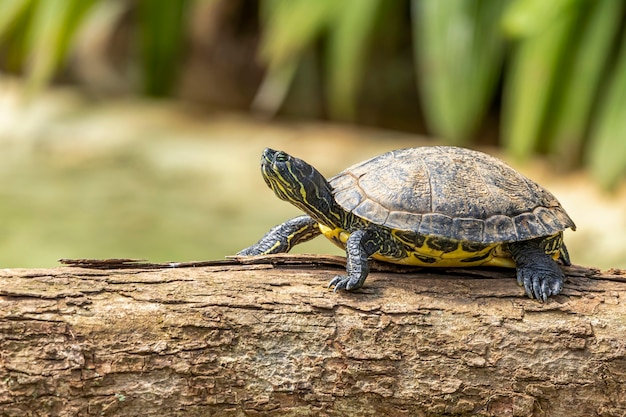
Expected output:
{"points": [[429, 206]]}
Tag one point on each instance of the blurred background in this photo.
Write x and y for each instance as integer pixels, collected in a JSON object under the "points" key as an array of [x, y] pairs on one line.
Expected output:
{"points": [[134, 128]]}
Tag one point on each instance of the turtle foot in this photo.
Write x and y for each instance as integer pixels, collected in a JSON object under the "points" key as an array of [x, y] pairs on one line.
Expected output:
{"points": [[540, 283], [344, 282], [281, 238], [537, 271]]}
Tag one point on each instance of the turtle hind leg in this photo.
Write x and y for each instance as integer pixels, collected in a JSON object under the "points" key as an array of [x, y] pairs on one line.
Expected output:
{"points": [[540, 275], [282, 238], [555, 247], [564, 255]]}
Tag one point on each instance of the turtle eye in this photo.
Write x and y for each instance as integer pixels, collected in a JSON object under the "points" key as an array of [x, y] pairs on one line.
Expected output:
{"points": [[281, 157]]}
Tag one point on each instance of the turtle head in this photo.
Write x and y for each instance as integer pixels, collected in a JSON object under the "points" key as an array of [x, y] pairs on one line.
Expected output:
{"points": [[299, 183]]}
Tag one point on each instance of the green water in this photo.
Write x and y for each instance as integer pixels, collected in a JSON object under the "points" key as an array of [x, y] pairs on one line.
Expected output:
{"points": [[155, 199]]}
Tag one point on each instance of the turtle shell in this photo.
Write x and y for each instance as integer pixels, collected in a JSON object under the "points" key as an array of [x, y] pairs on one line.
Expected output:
{"points": [[450, 192]]}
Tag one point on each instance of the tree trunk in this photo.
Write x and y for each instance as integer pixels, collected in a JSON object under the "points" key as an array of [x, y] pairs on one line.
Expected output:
{"points": [[265, 337]]}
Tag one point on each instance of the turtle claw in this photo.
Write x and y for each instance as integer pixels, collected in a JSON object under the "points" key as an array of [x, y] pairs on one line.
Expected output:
{"points": [[540, 284], [343, 282], [339, 282], [537, 271]]}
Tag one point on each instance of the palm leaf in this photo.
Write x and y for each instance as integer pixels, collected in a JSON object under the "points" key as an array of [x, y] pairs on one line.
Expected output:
{"points": [[580, 78], [534, 67], [458, 48], [10, 11], [162, 24], [349, 32], [607, 152], [49, 36], [290, 27]]}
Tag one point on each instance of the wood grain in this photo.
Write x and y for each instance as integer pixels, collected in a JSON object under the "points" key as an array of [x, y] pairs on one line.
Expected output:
{"points": [[264, 336]]}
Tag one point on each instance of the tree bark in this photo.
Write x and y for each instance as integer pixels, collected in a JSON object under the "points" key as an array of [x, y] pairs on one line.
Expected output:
{"points": [[263, 336]]}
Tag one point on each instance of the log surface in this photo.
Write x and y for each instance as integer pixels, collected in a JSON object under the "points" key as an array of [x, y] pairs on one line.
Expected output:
{"points": [[265, 337]]}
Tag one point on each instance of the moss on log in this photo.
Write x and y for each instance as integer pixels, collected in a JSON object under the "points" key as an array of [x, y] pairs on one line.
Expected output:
{"points": [[265, 337]]}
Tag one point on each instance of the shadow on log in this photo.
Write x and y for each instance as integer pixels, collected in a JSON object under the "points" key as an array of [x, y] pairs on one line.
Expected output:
{"points": [[263, 336]]}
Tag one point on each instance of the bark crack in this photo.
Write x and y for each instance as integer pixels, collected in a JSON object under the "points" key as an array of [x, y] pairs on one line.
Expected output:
{"points": [[222, 339]]}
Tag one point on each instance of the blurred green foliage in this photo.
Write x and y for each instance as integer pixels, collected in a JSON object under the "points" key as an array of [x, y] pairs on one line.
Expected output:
{"points": [[38, 35], [459, 50], [161, 24], [551, 75]]}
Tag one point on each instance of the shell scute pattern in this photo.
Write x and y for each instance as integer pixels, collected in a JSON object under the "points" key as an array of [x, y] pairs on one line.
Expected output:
{"points": [[345, 189], [402, 217], [469, 229], [436, 224], [500, 228], [449, 192], [527, 226], [457, 187], [548, 218]]}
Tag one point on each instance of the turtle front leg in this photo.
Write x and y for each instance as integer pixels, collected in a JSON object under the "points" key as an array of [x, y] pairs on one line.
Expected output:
{"points": [[359, 247], [282, 238], [540, 275]]}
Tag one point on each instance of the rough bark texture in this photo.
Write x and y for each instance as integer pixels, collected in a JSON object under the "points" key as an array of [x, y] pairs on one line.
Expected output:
{"points": [[235, 339]]}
